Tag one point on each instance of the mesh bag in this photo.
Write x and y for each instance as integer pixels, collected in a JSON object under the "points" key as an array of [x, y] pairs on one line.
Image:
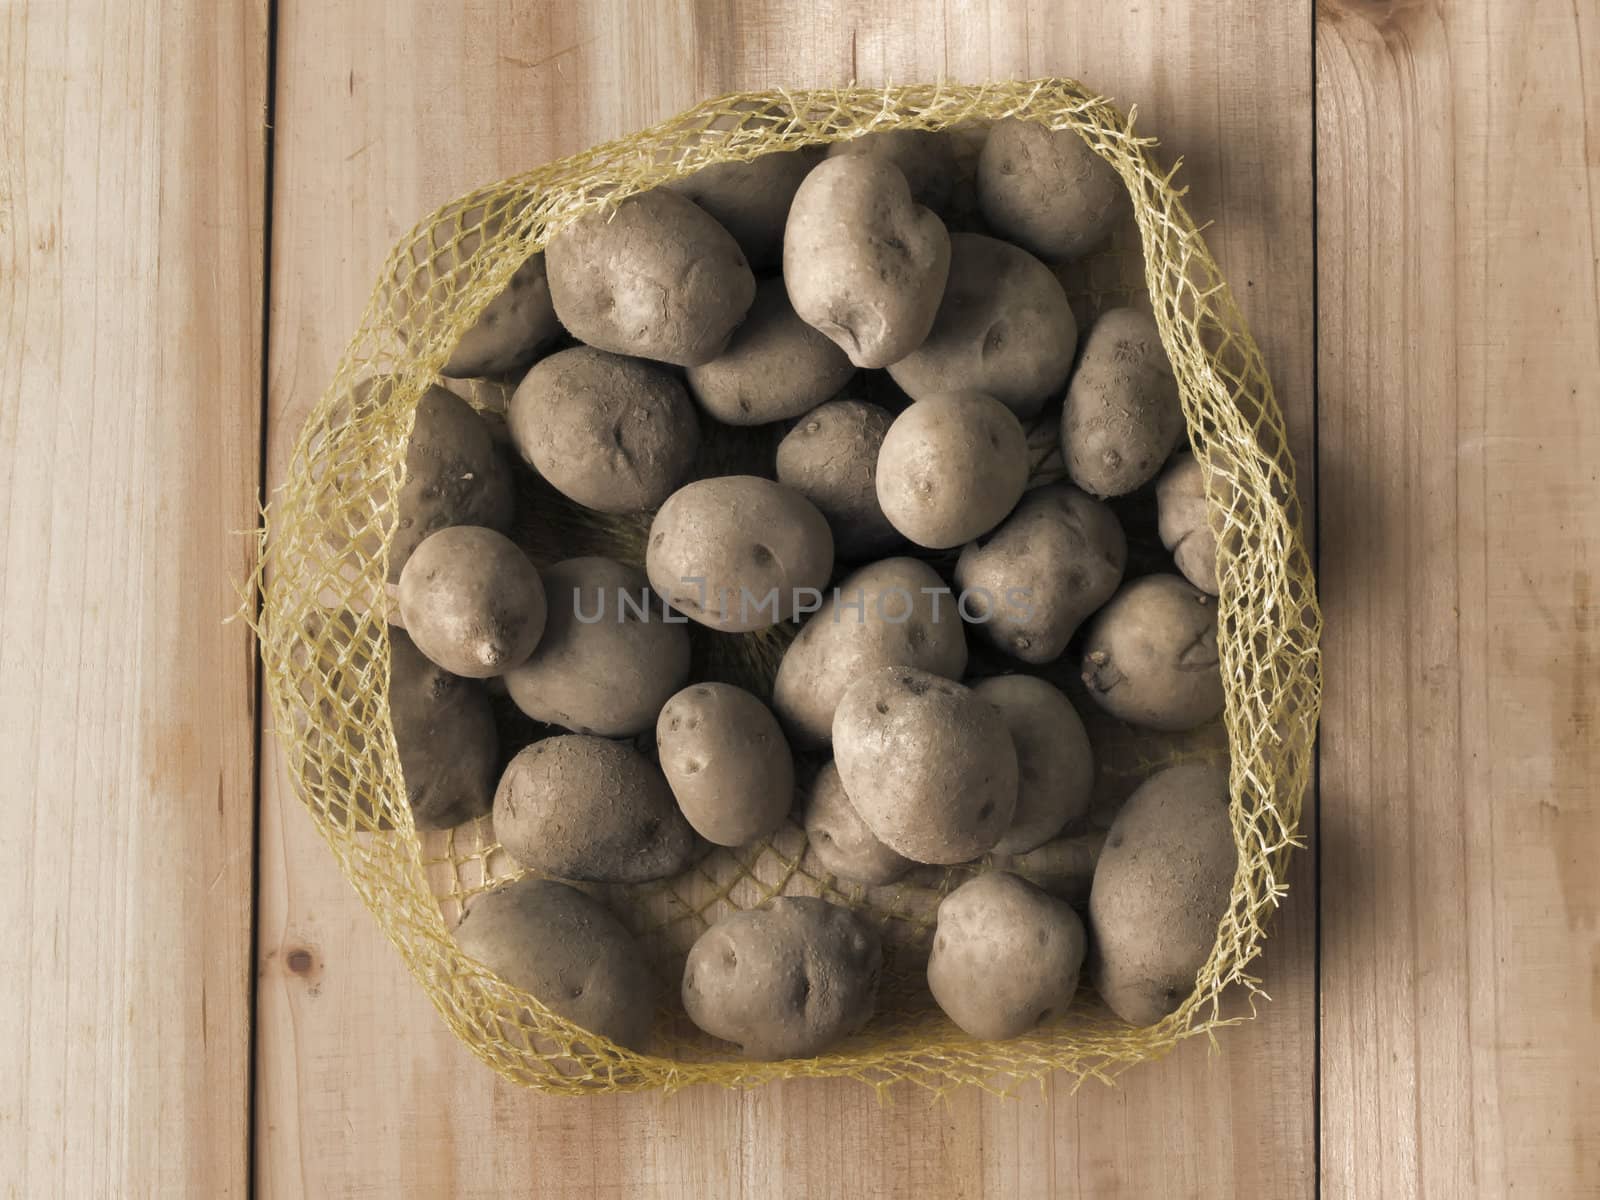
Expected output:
{"points": [[325, 648]]}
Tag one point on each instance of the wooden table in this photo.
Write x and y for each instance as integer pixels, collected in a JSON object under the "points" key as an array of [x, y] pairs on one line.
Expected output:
{"points": [[194, 201]]}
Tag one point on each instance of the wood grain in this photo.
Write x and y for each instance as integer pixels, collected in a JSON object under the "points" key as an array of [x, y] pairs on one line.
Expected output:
{"points": [[361, 1089], [1459, 447], [131, 272]]}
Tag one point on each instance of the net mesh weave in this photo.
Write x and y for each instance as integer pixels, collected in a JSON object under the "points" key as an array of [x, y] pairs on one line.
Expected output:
{"points": [[324, 637]]}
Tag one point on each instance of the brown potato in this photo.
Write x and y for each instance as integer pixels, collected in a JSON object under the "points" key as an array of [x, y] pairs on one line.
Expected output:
{"points": [[1006, 956], [512, 328], [928, 764], [775, 367], [727, 763], [585, 808], [1004, 328], [784, 981], [610, 656], [1189, 527], [1046, 190], [1121, 418], [951, 467], [444, 730], [472, 602], [1056, 559], [897, 612], [751, 199], [1160, 891], [831, 458], [1064, 866], [1150, 656], [1055, 766], [454, 476], [864, 262], [567, 951], [733, 552], [655, 277], [614, 434], [840, 839], [925, 157]]}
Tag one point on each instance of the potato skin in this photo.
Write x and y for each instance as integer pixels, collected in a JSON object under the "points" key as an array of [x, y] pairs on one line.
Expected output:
{"points": [[751, 199], [831, 458], [1160, 890], [445, 732], [1150, 656], [1004, 328], [454, 476], [786, 980], [614, 434], [1055, 766], [655, 277], [1189, 529], [1006, 956], [727, 763], [472, 602], [855, 631], [840, 839], [1063, 866], [1056, 559], [740, 535], [927, 763], [925, 157], [775, 367], [511, 329], [1121, 418], [585, 808], [951, 467], [600, 668], [568, 951], [1046, 190], [863, 262]]}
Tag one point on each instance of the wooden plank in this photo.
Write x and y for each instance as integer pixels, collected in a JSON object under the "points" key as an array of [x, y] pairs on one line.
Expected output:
{"points": [[131, 271], [361, 1089], [1459, 436]]}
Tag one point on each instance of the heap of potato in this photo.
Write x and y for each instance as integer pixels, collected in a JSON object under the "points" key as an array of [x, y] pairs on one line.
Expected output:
{"points": [[761, 293]]}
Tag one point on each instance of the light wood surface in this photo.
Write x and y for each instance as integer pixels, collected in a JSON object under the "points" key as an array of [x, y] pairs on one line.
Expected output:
{"points": [[131, 208], [361, 1089], [1459, 448]]}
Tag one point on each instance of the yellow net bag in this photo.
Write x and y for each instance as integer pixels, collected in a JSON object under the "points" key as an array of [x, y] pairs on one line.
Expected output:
{"points": [[325, 648]]}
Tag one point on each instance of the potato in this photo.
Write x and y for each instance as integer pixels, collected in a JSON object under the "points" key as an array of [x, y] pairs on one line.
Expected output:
{"points": [[1150, 656], [775, 367], [1189, 527], [1055, 767], [1004, 328], [897, 612], [609, 657], [454, 476], [927, 763], [656, 277], [751, 199], [567, 951], [840, 839], [1006, 956], [444, 730], [727, 763], [732, 552], [585, 808], [864, 262], [831, 458], [925, 157], [512, 328], [1160, 890], [1121, 418], [472, 602], [1064, 866], [951, 467], [1046, 190], [786, 980], [614, 434], [1056, 559]]}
